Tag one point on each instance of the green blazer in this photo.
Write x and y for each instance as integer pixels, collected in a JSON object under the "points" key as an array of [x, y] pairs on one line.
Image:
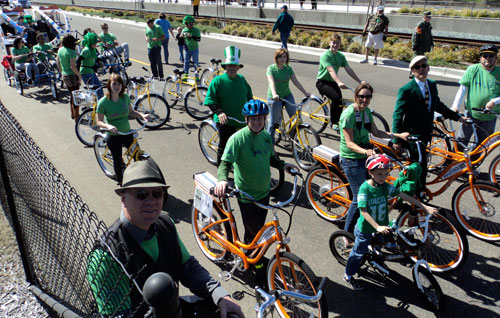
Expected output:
{"points": [[412, 115]]}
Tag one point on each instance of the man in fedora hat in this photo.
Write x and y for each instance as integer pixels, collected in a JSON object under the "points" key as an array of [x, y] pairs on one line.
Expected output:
{"points": [[144, 241], [421, 40], [227, 94], [284, 23], [414, 110]]}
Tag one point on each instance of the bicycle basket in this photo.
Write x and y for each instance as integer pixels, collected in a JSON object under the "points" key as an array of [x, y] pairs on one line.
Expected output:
{"points": [[157, 85], [84, 97]]}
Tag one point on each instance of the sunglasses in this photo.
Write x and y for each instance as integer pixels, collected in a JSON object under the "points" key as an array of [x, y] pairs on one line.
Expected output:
{"points": [[417, 67], [488, 56], [144, 194], [365, 96]]}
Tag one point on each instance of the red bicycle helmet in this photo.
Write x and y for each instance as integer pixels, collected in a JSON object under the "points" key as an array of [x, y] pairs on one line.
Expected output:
{"points": [[378, 161]]}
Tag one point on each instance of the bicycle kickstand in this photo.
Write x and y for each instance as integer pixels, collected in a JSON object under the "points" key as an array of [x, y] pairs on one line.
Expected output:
{"points": [[225, 275]]}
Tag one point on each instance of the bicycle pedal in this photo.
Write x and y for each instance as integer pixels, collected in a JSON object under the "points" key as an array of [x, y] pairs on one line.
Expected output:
{"points": [[225, 275]]}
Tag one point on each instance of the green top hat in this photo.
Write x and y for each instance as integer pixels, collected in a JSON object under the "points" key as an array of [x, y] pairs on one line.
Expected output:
{"points": [[232, 54]]}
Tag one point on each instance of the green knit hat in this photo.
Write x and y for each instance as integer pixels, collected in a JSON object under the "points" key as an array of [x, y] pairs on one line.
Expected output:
{"points": [[232, 54]]}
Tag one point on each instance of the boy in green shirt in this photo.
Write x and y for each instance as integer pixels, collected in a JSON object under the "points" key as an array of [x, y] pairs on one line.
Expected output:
{"points": [[108, 41], [373, 196], [154, 38], [191, 37]]}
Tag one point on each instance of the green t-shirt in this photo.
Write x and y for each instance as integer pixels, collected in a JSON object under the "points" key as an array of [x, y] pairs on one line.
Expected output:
{"points": [[281, 79], [327, 59], [230, 94], [358, 122], [43, 48], [155, 32], [108, 38], [250, 155], [482, 87], [115, 113], [88, 61], [191, 43], [374, 200], [65, 55], [24, 50]]}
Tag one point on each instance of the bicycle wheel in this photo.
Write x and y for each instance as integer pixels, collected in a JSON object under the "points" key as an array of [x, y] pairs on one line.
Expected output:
{"points": [[6, 75], [203, 228], [446, 248], [173, 91], [494, 170], [476, 209], [277, 180], [380, 122], [58, 75], [208, 139], [156, 107], [436, 160], [53, 88], [104, 157], [315, 114], [86, 128], [18, 84], [194, 102], [206, 76], [328, 192], [123, 74], [304, 140], [338, 245], [429, 289], [298, 277]]}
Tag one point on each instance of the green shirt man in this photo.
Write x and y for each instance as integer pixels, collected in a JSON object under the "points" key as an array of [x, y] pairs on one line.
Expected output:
{"points": [[43, 49], [154, 32]]}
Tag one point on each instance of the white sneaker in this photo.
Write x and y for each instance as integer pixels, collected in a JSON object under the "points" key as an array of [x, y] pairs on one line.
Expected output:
{"points": [[364, 61], [375, 62]]}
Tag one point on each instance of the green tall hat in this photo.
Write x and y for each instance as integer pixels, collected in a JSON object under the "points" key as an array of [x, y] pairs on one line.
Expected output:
{"points": [[232, 54]]}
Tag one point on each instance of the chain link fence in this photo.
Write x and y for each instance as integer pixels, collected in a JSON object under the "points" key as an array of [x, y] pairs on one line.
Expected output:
{"points": [[55, 230]]}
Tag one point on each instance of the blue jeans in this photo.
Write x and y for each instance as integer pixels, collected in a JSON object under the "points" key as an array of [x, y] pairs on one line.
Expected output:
{"points": [[356, 174], [164, 43], [181, 52], [91, 79], [194, 54], [488, 128], [359, 249], [28, 69], [284, 38], [275, 113], [154, 55]]}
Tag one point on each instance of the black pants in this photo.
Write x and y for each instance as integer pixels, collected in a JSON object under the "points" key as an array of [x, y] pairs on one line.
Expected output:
{"points": [[115, 144], [414, 156], [332, 91], [225, 132], [195, 11]]}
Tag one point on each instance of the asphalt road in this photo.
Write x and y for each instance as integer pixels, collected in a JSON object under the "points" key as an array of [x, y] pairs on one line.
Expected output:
{"points": [[472, 291]]}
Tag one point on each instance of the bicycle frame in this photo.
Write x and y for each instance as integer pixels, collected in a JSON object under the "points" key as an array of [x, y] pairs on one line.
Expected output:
{"points": [[132, 153]]}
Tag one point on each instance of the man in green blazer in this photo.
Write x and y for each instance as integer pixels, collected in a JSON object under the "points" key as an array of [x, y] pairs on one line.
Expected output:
{"points": [[414, 111]]}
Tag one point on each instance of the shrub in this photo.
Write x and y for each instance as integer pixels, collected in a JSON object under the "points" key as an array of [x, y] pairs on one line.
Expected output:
{"points": [[355, 47], [314, 41], [469, 55], [442, 55]]}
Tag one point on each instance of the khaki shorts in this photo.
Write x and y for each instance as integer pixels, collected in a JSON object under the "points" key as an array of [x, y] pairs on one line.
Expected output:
{"points": [[71, 80], [375, 40]]}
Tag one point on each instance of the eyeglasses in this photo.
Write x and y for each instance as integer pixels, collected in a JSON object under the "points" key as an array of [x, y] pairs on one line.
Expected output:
{"points": [[105, 28], [488, 56], [417, 67], [365, 96], [144, 194]]}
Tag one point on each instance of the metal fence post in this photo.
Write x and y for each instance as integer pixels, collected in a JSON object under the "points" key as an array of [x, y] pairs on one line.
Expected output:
{"points": [[14, 218]]}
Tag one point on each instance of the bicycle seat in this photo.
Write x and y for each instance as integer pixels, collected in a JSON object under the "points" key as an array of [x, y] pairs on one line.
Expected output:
{"points": [[138, 80], [178, 71]]}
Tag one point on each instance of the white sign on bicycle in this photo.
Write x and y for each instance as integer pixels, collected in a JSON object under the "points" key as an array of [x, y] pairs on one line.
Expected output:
{"points": [[203, 202]]}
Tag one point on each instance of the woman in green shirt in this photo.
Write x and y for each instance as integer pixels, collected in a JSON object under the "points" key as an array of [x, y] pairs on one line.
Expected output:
{"points": [[23, 60], [113, 112], [279, 75], [356, 123], [66, 62], [87, 59]]}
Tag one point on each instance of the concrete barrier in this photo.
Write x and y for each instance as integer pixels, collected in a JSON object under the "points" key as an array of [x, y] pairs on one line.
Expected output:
{"points": [[462, 27]]}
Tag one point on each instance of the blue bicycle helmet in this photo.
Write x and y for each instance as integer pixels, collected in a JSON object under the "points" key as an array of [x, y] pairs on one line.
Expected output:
{"points": [[255, 107]]}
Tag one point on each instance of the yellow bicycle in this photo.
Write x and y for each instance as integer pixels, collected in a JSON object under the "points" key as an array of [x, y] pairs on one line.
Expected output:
{"points": [[209, 74]]}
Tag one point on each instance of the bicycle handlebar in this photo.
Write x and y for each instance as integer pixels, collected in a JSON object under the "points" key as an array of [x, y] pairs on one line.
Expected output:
{"points": [[270, 299], [486, 111], [133, 131], [236, 120], [398, 232]]}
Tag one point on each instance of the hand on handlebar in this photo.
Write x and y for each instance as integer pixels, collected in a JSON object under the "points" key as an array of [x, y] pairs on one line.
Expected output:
{"points": [[489, 105], [112, 129], [342, 85], [228, 305], [220, 188], [370, 152], [430, 209], [222, 118], [292, 169], [383, 229], [404, 136], [276, 98]]}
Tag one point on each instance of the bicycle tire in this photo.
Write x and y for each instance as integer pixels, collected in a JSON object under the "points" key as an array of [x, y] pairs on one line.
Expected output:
{"points": [[18, 84], [104, 157], [277, 180], [156, 107], [208, 139], [380, 122], [315, 115], [53, 88], [58, 75], [483, 222], [437, 161], [298, 277], [431, 292], [206, 76], [194, 100], [304, 140], [171, 89], [210, 248], [86, 128], [329, 205], [494, 170], [447, 247], [6, 75], [338, 246]]}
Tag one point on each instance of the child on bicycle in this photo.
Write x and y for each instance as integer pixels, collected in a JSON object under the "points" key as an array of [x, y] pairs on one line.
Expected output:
{"points": [[373, 198], [250, 150]]}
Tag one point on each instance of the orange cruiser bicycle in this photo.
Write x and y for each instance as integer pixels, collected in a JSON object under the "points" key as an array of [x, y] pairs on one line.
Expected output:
{"points": [[215, 231]]}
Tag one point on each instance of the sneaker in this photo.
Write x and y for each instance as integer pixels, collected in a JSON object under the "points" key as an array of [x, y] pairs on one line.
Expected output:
{"points": [[375, 62], [355, 285], [336, 128], [364, 61]]}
